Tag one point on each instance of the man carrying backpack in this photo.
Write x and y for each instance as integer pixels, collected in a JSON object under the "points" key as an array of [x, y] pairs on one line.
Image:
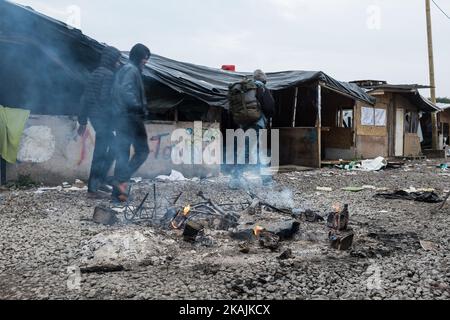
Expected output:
{"points": [[252, 105]]}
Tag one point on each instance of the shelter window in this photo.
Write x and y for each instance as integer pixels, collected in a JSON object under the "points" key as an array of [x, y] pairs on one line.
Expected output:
{"points": [[373, 117], [411, 122], [345, 118]]}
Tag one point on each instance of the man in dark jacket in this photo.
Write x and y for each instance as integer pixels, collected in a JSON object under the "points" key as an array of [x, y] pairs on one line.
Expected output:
{"points": [[267, 104], [130, 109], [97, 106]]}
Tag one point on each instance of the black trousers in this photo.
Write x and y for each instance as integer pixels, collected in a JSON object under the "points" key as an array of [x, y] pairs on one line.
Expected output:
{"points": [[130, 132], [104, 154]]}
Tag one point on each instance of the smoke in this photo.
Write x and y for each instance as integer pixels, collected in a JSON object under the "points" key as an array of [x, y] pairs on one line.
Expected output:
{"points": [[44, 65], [282, 199]]}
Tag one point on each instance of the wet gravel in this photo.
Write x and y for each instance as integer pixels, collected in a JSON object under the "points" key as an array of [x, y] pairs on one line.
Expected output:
{"points": [[43, 234]]}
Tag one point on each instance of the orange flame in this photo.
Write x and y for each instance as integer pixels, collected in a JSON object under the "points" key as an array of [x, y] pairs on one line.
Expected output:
{"points": [[186, 210], [337, 208], [257, 230]]}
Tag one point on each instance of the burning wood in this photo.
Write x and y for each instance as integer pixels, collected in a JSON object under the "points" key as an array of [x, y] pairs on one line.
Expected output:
{"points": [[269, 240], [180, 219], [338, 220], [266, 238], [257, 231], [342, 241], [341, 237]]}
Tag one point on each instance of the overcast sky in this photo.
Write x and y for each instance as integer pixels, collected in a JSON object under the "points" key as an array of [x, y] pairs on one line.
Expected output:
{"points": [[348, 39]]}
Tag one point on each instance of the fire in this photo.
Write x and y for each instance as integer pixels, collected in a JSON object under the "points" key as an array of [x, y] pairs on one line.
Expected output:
{"points": [[337, 208], [186, 210], [257, 231], [181, 217]]}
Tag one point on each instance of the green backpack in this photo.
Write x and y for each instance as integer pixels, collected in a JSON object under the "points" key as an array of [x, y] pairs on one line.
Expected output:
{"points": [[244, 105]]}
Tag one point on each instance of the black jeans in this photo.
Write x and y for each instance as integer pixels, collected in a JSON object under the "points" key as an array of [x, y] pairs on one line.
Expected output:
{"points": [[104, 154], [130, 131]]}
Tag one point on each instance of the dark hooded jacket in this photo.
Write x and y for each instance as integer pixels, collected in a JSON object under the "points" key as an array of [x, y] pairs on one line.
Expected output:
{"points": [[128, 90], [97, 99]]}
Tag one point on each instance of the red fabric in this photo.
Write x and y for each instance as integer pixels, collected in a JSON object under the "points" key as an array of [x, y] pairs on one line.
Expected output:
{"points": [[229, 67]]}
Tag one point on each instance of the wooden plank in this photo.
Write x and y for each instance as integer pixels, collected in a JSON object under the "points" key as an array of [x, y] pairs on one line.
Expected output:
{"points": [[299, 147], [412, 145], [369, 130], [339, 138]]}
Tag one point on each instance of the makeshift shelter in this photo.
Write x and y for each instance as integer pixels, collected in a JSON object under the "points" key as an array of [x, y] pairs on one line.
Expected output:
{"points": [[48, 62], [396, 125], [444, 125]]}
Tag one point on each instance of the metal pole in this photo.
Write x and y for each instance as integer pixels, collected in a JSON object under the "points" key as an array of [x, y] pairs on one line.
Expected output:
{"points": [[432, 78]]}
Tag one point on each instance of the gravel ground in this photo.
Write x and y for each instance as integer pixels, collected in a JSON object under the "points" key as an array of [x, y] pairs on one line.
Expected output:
{"points": [[44, 237]]}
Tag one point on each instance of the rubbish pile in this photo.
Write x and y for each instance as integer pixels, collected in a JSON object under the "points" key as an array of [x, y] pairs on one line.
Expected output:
{"points": [[377, 164], [420, 196]]}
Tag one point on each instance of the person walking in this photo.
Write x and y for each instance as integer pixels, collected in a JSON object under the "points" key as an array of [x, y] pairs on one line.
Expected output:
{"points": [[130, 111], [97, 107]]}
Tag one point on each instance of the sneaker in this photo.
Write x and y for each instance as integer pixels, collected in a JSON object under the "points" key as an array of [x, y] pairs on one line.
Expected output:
{"points": [[123, 188], [121, 192], [105, 188]]}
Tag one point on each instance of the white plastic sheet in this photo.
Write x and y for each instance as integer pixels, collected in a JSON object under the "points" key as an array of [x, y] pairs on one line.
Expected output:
{"points": [[373, 165], [174, 176], [367, 116], [380, 117]]}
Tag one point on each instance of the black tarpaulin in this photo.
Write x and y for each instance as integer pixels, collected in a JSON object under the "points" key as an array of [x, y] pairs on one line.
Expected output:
{"points": [[211, 85], [74, 55]]}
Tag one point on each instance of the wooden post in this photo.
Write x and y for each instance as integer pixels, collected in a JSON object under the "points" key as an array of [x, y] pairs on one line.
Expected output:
{"points": [[2, 171], [294, 120], [432, 78], [176, 115], [319, 123]]}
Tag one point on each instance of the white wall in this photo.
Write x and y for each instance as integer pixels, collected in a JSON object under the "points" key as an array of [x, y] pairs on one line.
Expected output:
{"points": [[57, 154]]}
